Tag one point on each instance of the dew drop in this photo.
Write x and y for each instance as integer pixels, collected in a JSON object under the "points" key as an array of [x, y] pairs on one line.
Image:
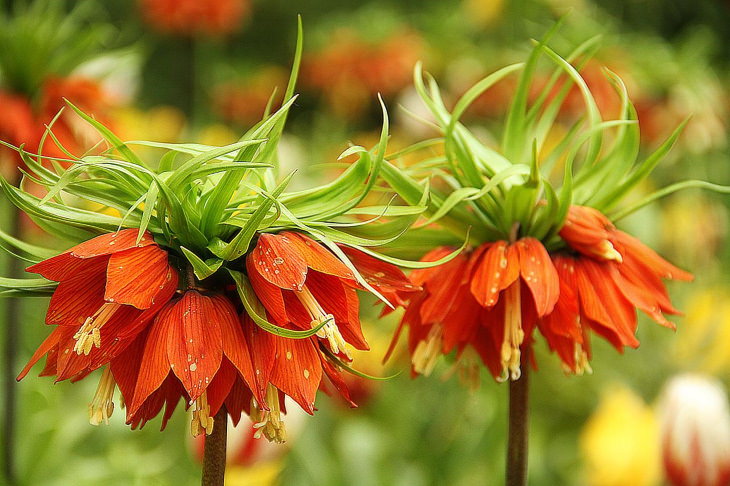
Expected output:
{"points": [[278, 261]]}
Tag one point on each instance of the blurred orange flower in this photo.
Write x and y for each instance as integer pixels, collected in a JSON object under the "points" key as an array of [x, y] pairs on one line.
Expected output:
{"points": [[193, 17]]}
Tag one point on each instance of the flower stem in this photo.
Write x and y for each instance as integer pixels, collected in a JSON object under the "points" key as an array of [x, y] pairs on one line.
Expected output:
{"points": [[214, 457], [518, 429]]}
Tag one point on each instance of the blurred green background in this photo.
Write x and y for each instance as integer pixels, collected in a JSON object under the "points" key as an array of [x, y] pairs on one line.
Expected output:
{"points": [[203, 70]]}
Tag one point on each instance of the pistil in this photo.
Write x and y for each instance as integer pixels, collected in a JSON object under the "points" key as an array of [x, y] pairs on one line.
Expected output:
{"points": [[102, 406], [513, 333]]}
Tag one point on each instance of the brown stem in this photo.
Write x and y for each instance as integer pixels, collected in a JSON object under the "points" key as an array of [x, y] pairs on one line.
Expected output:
{"points": [[518, 429], [214, 457]]}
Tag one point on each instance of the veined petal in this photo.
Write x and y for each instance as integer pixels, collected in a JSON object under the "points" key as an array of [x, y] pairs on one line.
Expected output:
{"points": [[269, 295], [538, 272], [420, 275], [460, 326], [441, 287], [335, 378], [59, 267], [125, 367], [194, 345], [379, 274], [154, 366], [278, 261], [236, 347], [602, 302], [498, 269], [297, 371], [80, 297], [632, 246], [110, 243], [644, 290], [49, 343], [220, 386], [136, 276], [316, 256]]}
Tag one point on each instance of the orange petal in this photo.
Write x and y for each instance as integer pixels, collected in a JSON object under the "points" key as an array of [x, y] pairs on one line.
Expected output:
{"points": [[236, 347], [80, 297], [269, 295], [497, 270], [379, 274], [602, 302], [538, 272], [194, 345], [420, 275], [136, 276], [59, 267], [442, 286], [154, 365], [279, 261], [297, 371], [49, 343], [110, 243], [341, 301], [316, 256], [650, 258]]}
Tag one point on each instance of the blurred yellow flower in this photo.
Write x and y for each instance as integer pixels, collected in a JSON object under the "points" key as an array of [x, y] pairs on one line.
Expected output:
{"points": [[484, 13], [265, 474], [619, 443], [158, 124], [217, 134]]}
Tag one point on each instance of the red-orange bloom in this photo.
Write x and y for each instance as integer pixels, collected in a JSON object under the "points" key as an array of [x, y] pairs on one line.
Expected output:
{"points": [[493, 297], [110, 288], [489, 298]]}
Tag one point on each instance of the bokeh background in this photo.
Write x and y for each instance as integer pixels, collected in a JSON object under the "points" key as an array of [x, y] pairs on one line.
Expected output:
{"points": [[204, 70]]}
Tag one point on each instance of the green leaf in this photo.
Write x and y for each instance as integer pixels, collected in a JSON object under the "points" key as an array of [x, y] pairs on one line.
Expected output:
{"points": [[202, 269], [239, 244]]}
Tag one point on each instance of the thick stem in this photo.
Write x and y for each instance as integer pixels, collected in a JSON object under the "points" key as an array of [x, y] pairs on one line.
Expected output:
{"points": [[12, 342], [518, 429], [214, 457]]}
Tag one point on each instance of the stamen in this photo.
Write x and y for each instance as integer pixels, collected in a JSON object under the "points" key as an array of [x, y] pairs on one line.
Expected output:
{"points": [[513, 333], [88, 334], [269, 423], [581, 361], [202, 421], [329, 331], [427, 351], [608, 252], [102, 406]]}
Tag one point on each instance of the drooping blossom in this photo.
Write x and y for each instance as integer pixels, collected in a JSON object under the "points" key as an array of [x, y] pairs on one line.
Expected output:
{"points": [[117, 305], [494, 296], [110, 288], [695, 432]]}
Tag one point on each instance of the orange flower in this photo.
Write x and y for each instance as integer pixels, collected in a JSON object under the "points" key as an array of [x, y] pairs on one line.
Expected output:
{"points": [[489, 298], [492, 298], [110, 288], [191, 17]]}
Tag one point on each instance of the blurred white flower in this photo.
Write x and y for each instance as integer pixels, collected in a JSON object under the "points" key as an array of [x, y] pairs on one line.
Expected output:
{"points": [[695, 431]]}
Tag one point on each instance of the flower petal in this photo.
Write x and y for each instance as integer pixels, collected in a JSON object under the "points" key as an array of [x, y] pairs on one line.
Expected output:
{"points": [[441, 287], [632, 246], [341, 301], [379, 274], [297, 371], [268, 294], [49, 343], [498, 269], [194, 345], [279, 261], [317, 257], [136, 276], [538, 272], [154, 366], [80, 297], [109, 243]]}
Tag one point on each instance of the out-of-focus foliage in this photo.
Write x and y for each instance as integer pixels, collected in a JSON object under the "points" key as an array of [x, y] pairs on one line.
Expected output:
{"points": [[673, 57]]}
